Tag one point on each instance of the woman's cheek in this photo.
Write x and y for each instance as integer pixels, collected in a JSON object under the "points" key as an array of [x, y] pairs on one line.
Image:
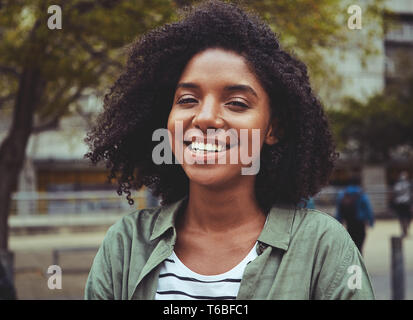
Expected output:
{"points": [[176, 123]]}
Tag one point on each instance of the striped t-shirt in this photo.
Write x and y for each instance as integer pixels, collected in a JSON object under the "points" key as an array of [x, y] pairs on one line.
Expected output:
{"points": [[178, 282]]}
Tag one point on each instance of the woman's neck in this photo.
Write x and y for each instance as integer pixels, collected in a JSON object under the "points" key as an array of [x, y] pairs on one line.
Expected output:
{"points": [[216, 210]]}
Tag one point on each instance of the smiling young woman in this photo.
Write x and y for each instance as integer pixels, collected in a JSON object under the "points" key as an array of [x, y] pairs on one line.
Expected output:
{"points": [[219, 75], [221, 204]]}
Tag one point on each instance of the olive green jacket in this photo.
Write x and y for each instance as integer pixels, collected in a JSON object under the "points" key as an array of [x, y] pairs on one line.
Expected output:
{"points": [[302, 254]]}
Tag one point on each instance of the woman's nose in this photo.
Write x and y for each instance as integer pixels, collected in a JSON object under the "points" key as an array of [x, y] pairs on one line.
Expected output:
{"points": [[208, 116]]}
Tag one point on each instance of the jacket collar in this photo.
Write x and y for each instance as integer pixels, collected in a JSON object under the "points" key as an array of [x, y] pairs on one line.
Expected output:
{"points": [[166, 218], [276, 232], [278, 229]]}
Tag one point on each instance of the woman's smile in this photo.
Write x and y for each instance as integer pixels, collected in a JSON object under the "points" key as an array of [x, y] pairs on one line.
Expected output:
{"points": [[210, 148], [208, 151]]}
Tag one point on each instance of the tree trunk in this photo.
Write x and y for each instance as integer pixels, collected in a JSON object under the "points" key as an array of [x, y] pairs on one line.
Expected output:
{"points": [[13, 148]]}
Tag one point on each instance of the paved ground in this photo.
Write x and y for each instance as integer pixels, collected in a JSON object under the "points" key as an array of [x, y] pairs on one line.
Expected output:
{"points": [[34, 253], [377, 255]]}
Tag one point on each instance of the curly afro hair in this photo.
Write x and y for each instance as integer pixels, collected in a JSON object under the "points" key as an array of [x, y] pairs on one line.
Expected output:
{"points": [[139, 102]]}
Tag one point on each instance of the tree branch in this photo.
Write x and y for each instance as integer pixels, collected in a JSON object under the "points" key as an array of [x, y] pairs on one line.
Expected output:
{"points": [[50, 125], [98, 54], [87, 116], [87, 6], [53, 121]]}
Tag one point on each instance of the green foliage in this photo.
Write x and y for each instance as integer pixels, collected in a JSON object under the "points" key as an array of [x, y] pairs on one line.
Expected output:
{"points": [[374, 129], [312, 28], [86, 52]]}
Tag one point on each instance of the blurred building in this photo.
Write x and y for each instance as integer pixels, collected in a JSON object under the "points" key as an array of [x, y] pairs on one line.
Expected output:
{"points": [[57, 179], [392, 58], [391, 48]]}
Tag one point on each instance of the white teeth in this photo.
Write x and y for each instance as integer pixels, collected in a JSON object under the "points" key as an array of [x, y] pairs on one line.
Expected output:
{"points": [[200, 146]]}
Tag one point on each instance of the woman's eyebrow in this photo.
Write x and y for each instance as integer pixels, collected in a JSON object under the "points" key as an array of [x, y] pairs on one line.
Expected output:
{"points": [[241, 87], [234, 87], [187, 85]]}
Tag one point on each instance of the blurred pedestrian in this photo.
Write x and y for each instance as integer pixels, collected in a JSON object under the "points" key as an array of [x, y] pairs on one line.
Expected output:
{"points": [[402, 201], [310, 203], [354, 209]]}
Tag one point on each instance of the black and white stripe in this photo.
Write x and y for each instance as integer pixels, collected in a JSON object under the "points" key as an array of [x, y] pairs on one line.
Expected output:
{"points": [[176, 293], [197, 280], [177, 282]]}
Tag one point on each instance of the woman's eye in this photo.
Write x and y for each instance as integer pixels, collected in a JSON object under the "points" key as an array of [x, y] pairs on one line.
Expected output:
{"points": [[187, 100], [238, 104]]}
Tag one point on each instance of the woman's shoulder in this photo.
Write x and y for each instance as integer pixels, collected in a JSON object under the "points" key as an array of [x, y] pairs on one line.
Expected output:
{"points": [[145, 225], [336, 263], [138, 223], [322, 218], [320, 225], [290, 227]]}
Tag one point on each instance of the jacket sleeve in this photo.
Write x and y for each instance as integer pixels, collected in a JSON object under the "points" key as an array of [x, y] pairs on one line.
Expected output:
{"points": [[341, 272], [351, 280], [99, 285]]}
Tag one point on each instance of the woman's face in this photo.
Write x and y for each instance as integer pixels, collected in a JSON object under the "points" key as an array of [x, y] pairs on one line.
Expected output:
{"points": [[218, 102]]}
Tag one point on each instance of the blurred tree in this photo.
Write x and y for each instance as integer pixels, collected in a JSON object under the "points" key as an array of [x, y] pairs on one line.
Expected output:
{"points": [[316, 31], [371, 131], [43, 71]]}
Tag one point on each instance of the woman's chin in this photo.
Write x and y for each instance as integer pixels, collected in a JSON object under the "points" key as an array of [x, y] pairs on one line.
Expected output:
{"points": [[211, 175]]}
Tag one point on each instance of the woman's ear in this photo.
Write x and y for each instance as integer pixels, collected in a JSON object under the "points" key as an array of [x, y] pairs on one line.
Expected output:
{"points": [[273, 133]]}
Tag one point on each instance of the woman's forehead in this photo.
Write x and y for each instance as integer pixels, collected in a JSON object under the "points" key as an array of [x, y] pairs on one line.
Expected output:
{"points": [[216, 64], [217, 58]]}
